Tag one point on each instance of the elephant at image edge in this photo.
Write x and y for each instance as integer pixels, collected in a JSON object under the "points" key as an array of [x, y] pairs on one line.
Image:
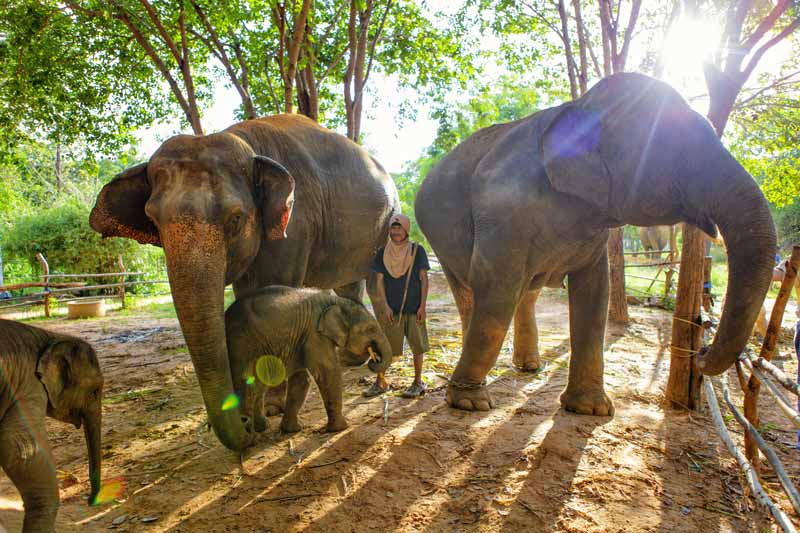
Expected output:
{"points": [[220, 205], [654, 238], [523, 205], [45, 374], [312, 332]]}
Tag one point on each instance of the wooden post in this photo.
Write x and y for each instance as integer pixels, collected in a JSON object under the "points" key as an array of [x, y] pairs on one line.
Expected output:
{"points": [[685, 380], [673, 244], [121, 280], [46, 272], [767, 350], [707, 283], [617, 301]]}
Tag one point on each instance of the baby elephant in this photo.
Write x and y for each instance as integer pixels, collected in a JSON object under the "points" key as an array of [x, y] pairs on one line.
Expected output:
{"points": [[44, 373], [310, 330]]}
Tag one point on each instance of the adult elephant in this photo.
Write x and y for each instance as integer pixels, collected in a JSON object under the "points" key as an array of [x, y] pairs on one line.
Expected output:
{"points": [[654, 238], [523, 205], [220, 205]]}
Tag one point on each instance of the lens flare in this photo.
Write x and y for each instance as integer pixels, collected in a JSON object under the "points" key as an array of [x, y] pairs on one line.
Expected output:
{"points": [[250, 380], [109, 491], [270, 370], [231, 402]]}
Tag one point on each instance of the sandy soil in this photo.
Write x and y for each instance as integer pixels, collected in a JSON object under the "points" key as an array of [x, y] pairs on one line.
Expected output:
{"points": [[411, 465]]}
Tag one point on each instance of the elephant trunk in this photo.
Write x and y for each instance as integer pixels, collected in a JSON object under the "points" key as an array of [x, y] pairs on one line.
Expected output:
{"points": [[197, 279], [386, 356], [742, 214], [92, 422]]}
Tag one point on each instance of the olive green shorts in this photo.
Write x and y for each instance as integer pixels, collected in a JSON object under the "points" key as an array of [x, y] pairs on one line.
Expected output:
{"points": [[406, 327]]}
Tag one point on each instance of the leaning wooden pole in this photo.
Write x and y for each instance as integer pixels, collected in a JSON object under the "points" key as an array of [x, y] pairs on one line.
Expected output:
{"points": [[767, 350], [683, 385]]}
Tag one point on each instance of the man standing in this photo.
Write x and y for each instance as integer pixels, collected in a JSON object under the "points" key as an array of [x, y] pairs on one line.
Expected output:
{"points": [[402, 270]]}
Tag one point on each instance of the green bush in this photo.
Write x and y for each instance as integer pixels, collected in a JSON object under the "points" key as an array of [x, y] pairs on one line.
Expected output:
{"points": [[63, 235]]}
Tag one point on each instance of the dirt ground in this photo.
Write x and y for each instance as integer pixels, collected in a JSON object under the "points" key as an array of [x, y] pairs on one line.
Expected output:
{"points": [[411, 465]]}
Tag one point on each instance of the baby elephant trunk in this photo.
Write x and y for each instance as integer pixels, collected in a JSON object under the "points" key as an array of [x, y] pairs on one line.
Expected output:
{"points": [[91, 429], [383, 354]]}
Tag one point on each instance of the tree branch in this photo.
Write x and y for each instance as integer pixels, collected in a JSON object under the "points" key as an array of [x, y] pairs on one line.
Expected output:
{"points": [[161, 30], [376, 39], [766, 24], [626, 41], [751, 65]]}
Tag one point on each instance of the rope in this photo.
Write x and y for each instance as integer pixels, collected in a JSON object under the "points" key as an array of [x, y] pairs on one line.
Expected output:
{"points": [[688, 322], [691, 352]]}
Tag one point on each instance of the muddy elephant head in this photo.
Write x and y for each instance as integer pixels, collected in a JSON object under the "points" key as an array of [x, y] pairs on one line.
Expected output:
{"points": [[210, 202], [355, 331], [71, 376], [636, 153]]}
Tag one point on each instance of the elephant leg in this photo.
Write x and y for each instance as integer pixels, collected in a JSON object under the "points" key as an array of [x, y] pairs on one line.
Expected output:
{"points": [[463, 297], [488, 325], [352, 291], [526, 334], [588, 310], [273, 400], [26, 458], [329, 382], [296, 391]]}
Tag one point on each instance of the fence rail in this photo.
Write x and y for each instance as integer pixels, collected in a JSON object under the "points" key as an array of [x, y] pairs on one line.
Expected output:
{"points": [[65, 291]]}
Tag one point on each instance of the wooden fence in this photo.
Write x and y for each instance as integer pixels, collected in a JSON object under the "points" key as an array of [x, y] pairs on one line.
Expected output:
{"points": [[66, 291]]}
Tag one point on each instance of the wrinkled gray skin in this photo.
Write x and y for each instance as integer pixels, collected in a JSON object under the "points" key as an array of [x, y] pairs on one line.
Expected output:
{"points": [[310, 330], [220, 205], [654, 238], [523, 205], [45, 374]]}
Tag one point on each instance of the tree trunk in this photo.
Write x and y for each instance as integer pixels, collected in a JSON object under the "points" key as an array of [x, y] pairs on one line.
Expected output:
{"points": [[685, 380], [617, 302], [59, 170]]}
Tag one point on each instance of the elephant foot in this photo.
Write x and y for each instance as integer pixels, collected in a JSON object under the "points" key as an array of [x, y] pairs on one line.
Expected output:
{"points": [[594, 402], [291, 426], [527, 362], [469, 397], [338, 424], [260, 423]]}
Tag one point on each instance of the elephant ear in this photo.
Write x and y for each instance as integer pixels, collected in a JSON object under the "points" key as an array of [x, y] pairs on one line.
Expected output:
{"points": [[570, 149], [333, 325], [54, 369], [275, 195], [119, 209]]}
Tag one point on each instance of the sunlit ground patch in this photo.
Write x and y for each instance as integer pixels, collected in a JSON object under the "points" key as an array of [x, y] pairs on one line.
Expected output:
{"points": [[231, 402], [109, 491], [270, 370]]}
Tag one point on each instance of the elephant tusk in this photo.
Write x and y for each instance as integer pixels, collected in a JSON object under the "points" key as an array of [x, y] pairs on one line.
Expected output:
{"points": [[372, 356]]}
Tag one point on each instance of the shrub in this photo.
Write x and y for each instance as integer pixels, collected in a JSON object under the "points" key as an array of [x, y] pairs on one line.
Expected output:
{"points": [[63, 235]]}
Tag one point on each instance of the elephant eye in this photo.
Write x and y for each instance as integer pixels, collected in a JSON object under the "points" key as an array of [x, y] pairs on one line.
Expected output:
{"points": [[234, 222], [96, 394]]}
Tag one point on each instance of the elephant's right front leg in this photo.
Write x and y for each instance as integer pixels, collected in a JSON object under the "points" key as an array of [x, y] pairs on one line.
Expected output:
{"points": [[296, 392], [26, 458], [487, 329], [526, 334], [588, 309]]}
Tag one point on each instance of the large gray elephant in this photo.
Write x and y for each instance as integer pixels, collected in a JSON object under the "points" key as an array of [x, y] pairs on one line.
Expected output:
{"points": [[45, 374], [523, 205], [220, 205]]}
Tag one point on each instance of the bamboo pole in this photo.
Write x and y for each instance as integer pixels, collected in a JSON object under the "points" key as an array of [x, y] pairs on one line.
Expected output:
{"points": [[775, 372], [747, 468], [121, 281], [40, 284], [767, 349], [46, 270], [783, 402], [769, 453]]}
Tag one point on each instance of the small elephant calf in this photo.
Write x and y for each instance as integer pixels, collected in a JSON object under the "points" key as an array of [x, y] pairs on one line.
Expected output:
{"points": [[311, 331], [45, 374]]}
